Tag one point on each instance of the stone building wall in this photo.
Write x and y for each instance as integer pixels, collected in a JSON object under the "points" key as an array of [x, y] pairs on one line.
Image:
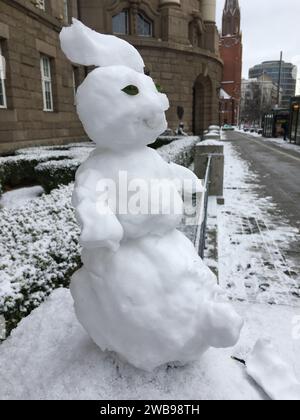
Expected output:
{"points": [[182, 55], [26, 32]]}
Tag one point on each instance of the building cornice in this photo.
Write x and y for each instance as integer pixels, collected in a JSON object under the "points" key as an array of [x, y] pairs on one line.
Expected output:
{"points": [[172, 46]]}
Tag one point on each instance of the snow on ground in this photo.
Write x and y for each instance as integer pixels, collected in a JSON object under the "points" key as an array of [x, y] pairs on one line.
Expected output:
{"points": [[19, 197], [49, 356], [272, 373], [254, 241]]}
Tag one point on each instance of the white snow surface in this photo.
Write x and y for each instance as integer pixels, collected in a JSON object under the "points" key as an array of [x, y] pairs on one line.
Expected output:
{"points": [[19, 197], [210, 143], [143, 291], [273, 374], [61, 362]]}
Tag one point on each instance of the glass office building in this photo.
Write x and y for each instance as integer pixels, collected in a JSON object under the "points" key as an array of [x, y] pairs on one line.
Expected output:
{"points": [[288, 78]]}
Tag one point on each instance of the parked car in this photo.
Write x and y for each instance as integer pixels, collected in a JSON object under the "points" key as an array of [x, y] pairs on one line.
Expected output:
{"points": [[228, 127]]}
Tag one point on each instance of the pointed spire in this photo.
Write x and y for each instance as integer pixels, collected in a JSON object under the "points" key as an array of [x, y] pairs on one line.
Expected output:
{"points": [[231, 6], [231, 18]]}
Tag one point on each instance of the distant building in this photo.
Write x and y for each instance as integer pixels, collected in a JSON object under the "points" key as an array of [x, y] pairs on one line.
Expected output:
{"points": [[288, 78], [259, 96], [231, 51]]}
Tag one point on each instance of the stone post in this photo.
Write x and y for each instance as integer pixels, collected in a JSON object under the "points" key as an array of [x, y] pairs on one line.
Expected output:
{"points": [[216, 151]]}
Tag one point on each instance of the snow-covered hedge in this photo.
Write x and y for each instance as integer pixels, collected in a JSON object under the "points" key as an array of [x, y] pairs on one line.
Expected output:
{"points": [[180, 151], [38, 252], [39, 248], [52, 166], [26, 166]]}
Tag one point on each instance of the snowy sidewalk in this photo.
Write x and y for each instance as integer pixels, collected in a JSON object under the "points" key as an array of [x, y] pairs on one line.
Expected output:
{"points": [[257, 262], [49, 356]]}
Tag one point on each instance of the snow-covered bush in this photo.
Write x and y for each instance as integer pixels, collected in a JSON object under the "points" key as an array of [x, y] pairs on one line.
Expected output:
{"points": [[52, 174], [39, 252], [39, 248], [52, 166], [181, 151], [25, 167]]}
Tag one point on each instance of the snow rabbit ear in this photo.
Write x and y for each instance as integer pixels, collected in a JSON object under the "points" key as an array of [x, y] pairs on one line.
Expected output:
{"points": [[84, 46]]}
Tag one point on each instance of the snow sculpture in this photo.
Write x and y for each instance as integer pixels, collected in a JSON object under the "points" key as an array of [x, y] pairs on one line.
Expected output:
{"points": [[143, 291]]}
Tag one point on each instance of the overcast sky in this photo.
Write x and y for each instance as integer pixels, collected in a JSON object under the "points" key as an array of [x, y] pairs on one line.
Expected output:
{"points": [[268, 27]]}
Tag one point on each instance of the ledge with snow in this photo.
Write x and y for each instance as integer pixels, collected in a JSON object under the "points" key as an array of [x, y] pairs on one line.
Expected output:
{"points": [[49, 356]]}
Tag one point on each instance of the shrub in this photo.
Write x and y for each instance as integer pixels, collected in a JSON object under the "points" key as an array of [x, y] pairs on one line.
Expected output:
{"points": [[26, 167]]}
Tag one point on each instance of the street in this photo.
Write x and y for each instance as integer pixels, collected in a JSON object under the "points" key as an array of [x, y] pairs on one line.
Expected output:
{"points": [[278, 171], [258, 227]]}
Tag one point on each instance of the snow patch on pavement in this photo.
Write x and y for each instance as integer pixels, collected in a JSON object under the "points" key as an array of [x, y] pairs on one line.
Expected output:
{"points": [[273, 374], [49, 356]]}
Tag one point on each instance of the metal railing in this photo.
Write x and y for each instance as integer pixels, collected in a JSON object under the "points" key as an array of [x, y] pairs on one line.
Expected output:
{"points": [[200, 240]]}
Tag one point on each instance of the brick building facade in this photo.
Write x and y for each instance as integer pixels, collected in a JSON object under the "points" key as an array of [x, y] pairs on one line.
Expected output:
{"points": [[231, 50], [177, 39]]}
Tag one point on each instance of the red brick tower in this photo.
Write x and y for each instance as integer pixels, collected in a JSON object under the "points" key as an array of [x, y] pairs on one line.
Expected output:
{"points": [[231, 50]]}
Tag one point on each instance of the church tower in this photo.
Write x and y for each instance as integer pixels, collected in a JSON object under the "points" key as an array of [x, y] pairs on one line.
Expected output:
{"points": [[231, 24], [231, 51]]}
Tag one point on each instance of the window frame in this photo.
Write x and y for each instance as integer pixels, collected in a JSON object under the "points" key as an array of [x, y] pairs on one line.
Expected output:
{"points": [[127, 22], [2, 82], [145, 18], [45, 80]]}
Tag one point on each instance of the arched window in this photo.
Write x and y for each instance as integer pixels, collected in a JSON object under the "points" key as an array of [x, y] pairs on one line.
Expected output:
{"points": [[120, 23], [144, 25]]}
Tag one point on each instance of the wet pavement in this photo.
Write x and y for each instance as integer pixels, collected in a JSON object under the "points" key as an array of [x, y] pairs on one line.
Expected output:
{"points": [[258, 227], [278, 170]]}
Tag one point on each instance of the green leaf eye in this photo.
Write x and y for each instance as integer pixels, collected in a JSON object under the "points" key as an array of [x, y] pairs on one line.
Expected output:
{"points": [[158, 87], [131, 90]]}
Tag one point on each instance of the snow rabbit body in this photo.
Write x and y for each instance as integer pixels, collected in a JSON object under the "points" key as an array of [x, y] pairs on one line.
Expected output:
{"points": [[143, 291]]}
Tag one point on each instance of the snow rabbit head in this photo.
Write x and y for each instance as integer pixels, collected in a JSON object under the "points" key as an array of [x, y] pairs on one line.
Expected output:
{"points": [[117, 103]]}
